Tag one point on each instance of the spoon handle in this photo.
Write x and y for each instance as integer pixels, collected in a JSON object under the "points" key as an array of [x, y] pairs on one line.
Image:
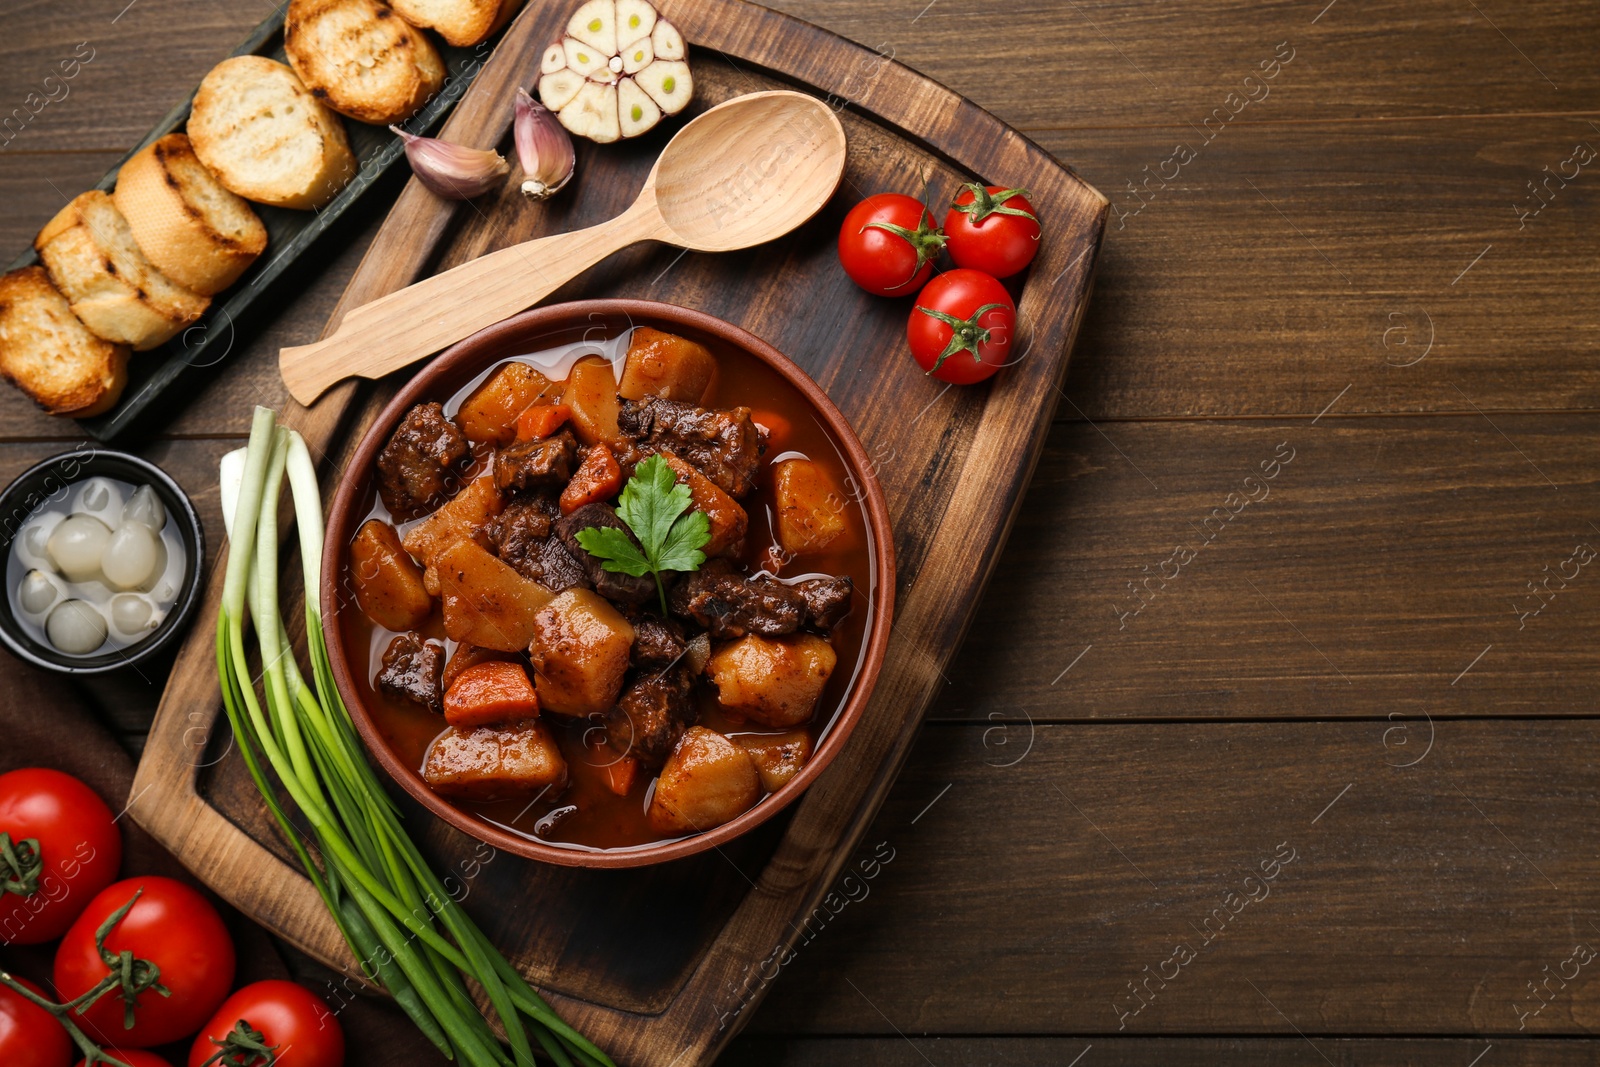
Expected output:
{"points": [[398, 329]]}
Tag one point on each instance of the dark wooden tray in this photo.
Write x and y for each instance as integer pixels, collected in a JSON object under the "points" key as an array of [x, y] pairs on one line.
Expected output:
{"points": [[290, 234], [661, 965]]}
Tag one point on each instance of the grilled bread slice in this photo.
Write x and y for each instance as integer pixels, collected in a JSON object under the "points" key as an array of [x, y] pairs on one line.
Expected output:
{"points": [[51, 356], [461, 22], [361, 59], [193, 229], [117, 292], [266, 137]]}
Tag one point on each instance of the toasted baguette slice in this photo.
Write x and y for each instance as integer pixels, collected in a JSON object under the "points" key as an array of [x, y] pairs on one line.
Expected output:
{"points": [[461, 22], [266, 137], [118, 293], [360, 59], [51, 356], [194, 230]]}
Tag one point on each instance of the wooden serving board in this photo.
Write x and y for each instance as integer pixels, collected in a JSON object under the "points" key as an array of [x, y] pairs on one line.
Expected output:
{"points": [[661, 965]]}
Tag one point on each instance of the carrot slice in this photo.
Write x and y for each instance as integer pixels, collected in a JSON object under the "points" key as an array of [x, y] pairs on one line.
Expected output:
{"points": [[540, 421], [619, 776], [489, 693], [776, 425], [598, 478]]}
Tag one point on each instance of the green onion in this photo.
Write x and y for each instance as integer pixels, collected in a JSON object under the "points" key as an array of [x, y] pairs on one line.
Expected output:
{"points": [[409, 934]]}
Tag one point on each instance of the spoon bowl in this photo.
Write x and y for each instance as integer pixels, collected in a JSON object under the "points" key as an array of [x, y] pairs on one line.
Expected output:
{"points": [[744, 172], [748, 170]]}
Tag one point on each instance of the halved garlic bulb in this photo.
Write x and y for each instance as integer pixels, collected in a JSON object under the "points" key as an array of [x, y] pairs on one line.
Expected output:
{"points": [[130, 556], [618, 70], [38, 592], [145, 508], [76, 628], [101, 498], [76, 546]]}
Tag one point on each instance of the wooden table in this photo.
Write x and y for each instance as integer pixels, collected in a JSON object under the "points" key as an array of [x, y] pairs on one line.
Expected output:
{"points": [[1300, 589]]}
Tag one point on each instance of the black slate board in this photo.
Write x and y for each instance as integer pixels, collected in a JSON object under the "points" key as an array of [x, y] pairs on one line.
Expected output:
{"points": [[154, 374]]}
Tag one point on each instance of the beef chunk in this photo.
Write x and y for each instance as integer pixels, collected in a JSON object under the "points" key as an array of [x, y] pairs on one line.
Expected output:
{"points": [[651, 715], [522, 537], [549, 461], [724, 445], [523, 519], [416, 468], [827, 600], [612, 585], [730, 605], [411, 671], [657, 643]]}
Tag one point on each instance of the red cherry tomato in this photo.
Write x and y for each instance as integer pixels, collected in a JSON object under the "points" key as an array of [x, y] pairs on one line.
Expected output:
{"points": [[887, 244], [288, 1017], [29, 1035], [79, 852], [961, 327], [992, 229], [173, 927], [133, 1057]]}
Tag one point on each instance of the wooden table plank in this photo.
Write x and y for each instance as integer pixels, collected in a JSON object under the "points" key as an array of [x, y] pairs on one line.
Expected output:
{"points": [[1024, 898], [1043, 66], [1283, 262], [917, 1050], [1365, 579]]}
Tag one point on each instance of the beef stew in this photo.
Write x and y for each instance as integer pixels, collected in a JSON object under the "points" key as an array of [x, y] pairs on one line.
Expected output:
{"points": [[568, 706]]}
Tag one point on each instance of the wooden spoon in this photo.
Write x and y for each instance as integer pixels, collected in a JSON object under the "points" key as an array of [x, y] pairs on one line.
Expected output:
{"points": [[746, 171]]}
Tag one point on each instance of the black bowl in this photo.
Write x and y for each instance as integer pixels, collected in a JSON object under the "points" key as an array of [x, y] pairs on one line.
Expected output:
{"points": [[50, 481]]}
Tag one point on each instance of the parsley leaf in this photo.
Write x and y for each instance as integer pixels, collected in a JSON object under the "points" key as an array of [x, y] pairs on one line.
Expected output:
{"points": [[653, 505]]}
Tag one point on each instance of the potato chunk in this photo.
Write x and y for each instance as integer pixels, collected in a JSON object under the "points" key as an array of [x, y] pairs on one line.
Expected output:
{"points": [[706, 781], [492, 763], [455, 521], [490, 413], [591, 399], [388, 584], [579, 648], [664, 364], [485, 601], [775, 681], [810, 506], [728, 520], [778, 757]]}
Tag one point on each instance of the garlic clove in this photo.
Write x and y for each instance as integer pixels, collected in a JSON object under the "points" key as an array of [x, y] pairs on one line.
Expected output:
{"points": [[145, 508], [594, 24], [450, 170], [637, 56], [636, 112], [76, 546], [39, 592], [555, 58], [75, 628], [544, 148], [100, 498], [667, 41], [668, 84], [558, 89], [587, 61], [593, 113], [635, 20]]}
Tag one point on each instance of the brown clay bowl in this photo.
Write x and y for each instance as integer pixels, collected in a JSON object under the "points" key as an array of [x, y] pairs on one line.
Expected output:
{"points": [[529, 331]]}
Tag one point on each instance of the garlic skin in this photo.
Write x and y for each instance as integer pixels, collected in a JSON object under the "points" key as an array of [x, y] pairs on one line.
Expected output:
{"points": [[450, 170], [544, 148]]}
